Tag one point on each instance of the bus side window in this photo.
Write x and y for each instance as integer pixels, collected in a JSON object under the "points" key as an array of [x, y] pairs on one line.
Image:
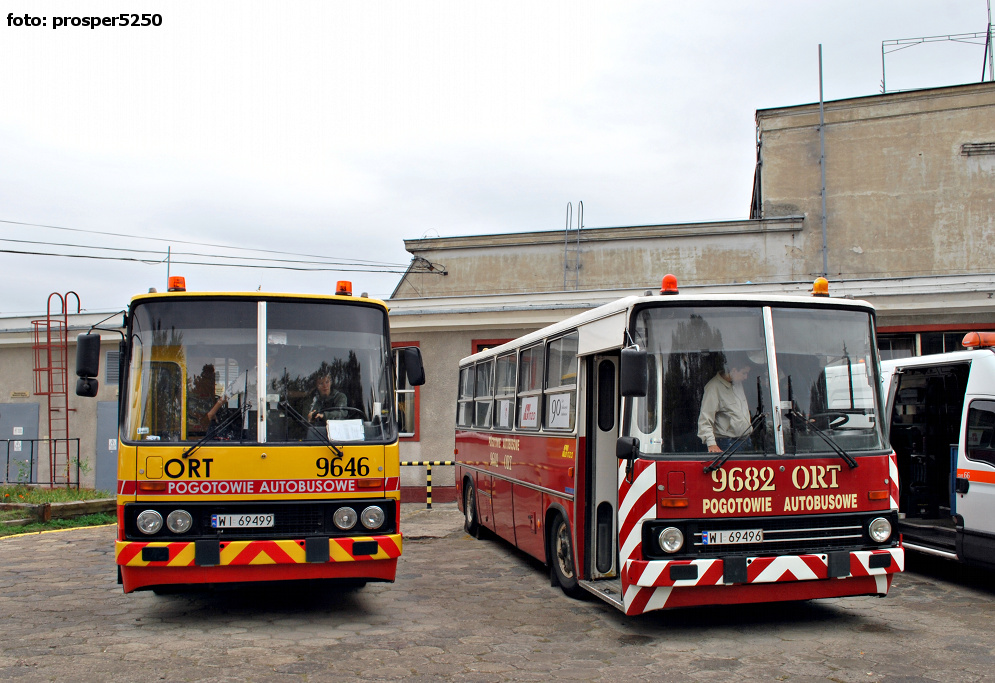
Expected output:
{"points": [[529, 387], [504, 390], [464, 417], [483, 394], [561, 383]]}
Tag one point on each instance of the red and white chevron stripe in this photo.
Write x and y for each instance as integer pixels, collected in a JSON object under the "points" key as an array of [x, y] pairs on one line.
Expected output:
{"points": [[647, 584], [636, 502], [893, 479]]}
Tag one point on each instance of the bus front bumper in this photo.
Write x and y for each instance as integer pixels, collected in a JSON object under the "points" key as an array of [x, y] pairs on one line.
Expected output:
{"points": [[153, 563], [658, 584]]}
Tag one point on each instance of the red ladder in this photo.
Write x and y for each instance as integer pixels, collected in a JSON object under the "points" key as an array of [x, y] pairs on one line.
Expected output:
{"points": [[51, 373]]}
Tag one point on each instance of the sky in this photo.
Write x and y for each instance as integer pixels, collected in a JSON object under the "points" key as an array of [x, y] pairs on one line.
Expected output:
{"points": [[321, 134]]}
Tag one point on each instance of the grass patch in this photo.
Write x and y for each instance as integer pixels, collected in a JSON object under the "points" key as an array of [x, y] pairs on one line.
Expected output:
{"points": [[86, 520], [37, 494]]}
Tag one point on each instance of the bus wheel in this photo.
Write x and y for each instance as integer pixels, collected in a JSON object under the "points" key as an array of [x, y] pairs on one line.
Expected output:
{"points": [[562, 558], [470, 521]]}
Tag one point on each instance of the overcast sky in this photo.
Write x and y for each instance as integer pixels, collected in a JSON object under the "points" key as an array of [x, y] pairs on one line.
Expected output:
{"points": [[333, 130]]}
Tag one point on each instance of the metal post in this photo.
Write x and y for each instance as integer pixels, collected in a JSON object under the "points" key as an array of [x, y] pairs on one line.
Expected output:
{"points": [[428, 486], [990, 46], [822, 167]]}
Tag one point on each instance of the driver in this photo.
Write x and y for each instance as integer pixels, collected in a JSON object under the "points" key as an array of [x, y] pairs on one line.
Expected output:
{"points": [[328, 403], [725, 414]]}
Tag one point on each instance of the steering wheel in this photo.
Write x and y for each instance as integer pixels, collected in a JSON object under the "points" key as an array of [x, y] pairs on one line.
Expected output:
{"points": [[359, 412], [830, 416]]}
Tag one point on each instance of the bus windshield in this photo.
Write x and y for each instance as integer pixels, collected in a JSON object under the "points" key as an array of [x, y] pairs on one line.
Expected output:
{"points": [[195, 366], [711, 367]]}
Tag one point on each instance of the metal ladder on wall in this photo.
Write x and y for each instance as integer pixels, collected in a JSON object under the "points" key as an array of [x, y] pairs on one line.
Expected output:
{"points": [[51, 373], [571, 249]]}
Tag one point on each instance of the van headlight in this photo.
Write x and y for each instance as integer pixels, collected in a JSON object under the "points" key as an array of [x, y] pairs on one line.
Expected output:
{"points": [[879, 529], [149, 522], [671, 539]]}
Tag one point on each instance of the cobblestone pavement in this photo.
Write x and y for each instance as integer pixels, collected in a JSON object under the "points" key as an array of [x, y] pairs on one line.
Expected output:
{"points": [[464, 609]]}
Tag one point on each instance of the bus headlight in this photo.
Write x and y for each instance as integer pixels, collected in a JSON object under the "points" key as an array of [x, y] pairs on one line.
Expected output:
{"points": [[671, 539], [373, 517], [179, 521], [344, 518], [879, 529], [149, 522]]}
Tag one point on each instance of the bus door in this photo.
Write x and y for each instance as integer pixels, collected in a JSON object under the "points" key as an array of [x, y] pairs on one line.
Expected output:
{"points": [[602, 433]]}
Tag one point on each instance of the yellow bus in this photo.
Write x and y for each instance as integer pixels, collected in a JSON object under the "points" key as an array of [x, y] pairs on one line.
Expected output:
{"points": [[258, 438]]}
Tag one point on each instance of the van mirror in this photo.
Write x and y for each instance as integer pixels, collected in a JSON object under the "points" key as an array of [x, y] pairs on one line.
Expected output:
{"points": [[88, 355], [633, 375], [413, 366]]}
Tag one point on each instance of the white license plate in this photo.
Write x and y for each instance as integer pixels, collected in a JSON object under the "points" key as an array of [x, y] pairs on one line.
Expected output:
{"points": [[241, 521], [731, 537]]}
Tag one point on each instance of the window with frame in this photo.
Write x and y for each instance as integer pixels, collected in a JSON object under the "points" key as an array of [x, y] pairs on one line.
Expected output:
{"points": [[529, 387], [506, 372], [464, 413], [406, 395], [561, 383], [981, 431], [483, 394]]}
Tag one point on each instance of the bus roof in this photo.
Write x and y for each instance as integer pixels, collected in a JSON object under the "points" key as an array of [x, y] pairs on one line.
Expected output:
{"points": [[253, 296], [627, 303]]}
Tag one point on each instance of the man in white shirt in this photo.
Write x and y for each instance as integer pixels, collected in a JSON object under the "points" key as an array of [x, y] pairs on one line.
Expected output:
{"points": [[725, 414]]}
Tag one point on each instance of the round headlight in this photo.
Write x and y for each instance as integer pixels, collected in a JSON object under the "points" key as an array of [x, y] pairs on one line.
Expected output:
{"points": [[671, 539], [179, 521], [344, 518], [149, 522], [879, 529], [372, 517]]}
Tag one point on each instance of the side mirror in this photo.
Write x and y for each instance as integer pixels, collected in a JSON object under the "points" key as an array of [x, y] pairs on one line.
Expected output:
{"points": [[86, 387], [87, 364], [413, 366], [627, 448], [633, 374]]}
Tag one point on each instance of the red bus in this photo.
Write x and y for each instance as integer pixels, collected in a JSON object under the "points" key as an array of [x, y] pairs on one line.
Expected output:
{"points": [[676, 450]]}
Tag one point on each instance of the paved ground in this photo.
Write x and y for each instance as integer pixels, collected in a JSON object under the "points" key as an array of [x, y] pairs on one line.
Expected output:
{"points": [[464, 609]]}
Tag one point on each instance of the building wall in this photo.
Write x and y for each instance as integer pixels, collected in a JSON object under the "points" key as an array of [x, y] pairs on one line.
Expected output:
{"points": [[17, 379], [610, 258], [902, 197]]}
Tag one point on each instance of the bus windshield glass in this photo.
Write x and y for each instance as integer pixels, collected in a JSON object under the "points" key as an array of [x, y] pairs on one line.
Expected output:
{"points": [[828, 378], [710, 372], [195, 366]]}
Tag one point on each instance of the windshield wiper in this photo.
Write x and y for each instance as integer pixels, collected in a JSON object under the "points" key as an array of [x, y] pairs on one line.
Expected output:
{"points": [[734, 446], [216, 429], [849, 459], [310, 427]]}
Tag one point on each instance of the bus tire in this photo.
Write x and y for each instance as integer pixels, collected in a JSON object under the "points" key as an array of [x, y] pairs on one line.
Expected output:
{"points": [[561, 558], [471, 519]]}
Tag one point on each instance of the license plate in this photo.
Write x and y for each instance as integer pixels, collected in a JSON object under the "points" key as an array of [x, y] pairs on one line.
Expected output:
{"points": [[732, 537], [241, 521]]}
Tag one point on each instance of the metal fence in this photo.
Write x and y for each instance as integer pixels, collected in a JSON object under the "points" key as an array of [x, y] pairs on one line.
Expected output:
{"points": [[23, 456]]}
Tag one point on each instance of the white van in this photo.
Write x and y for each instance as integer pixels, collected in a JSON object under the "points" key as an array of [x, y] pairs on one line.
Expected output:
{"points": [[942, 427]]}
